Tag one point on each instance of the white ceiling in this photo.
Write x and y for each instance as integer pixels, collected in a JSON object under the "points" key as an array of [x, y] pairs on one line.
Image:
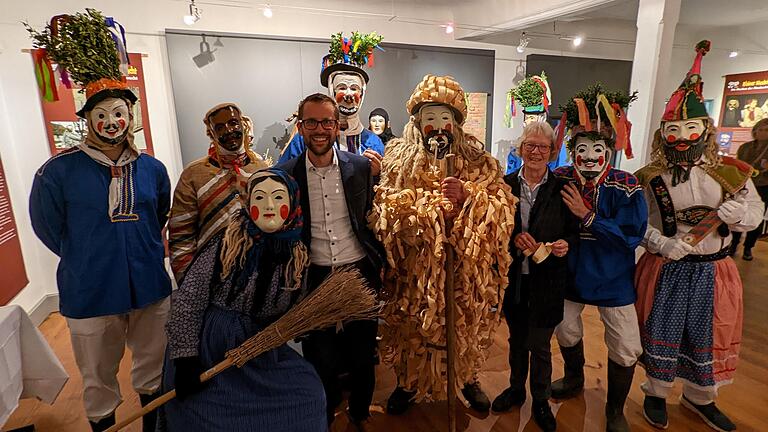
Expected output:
{"points": [[715, 13]]}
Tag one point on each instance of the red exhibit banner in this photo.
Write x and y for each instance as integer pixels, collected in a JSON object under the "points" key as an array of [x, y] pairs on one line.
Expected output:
{"points": [[13, 276], [65, 129], [745, 102]]}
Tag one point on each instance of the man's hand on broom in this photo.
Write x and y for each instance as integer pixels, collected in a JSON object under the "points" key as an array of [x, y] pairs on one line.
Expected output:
{"points": [[187, 377]]}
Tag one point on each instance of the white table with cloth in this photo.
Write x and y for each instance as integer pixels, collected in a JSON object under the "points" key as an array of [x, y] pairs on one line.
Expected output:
{"points": [[28, 366]]}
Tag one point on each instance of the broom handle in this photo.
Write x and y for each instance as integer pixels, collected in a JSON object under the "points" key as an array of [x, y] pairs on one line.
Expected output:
{"points": [[162, 400], [450, 317]]}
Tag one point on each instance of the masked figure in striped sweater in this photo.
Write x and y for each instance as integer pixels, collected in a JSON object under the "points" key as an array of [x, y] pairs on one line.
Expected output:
{"points": [[210, 189]]}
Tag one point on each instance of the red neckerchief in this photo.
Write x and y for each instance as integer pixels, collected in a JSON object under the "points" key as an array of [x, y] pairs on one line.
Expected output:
{"points": [[236, 163], [589, 187]]}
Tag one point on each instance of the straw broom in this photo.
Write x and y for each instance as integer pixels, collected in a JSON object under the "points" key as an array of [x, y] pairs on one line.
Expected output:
{"points": [[343, 296]]}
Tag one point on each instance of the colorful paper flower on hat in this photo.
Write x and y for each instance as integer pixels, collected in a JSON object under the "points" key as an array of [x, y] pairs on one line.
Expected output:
{"points": [[356, 49]]}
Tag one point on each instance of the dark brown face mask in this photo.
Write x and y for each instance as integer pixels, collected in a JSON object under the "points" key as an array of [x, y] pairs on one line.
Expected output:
{"points": [[226, 125]]}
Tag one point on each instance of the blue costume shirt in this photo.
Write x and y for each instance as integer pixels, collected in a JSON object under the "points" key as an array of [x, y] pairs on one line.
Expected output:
{"points": [[603, 262], [109, 264], [368, 140]]}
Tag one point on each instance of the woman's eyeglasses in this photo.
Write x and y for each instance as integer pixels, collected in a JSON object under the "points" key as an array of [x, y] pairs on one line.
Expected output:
{"points": [[311, 124], [543, 148]]}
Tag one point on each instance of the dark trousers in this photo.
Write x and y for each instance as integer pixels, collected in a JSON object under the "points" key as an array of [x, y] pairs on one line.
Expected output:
{"points": [[351, 350], [753, 235], [528, 345]]}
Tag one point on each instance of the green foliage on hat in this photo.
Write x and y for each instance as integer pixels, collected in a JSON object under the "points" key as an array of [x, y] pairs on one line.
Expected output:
{"points": [[590, 99], [82, 45], [528, 92]]}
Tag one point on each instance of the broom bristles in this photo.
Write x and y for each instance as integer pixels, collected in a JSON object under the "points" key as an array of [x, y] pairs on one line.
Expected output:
{"points": [[343, 296]]}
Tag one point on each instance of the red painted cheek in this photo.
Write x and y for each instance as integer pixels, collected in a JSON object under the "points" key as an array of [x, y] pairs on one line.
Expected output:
{"points": [[255, 213], [601, 160], [694, 137], [121, 122], [428, 129], [449, 127], [357, 97], [671, 138], [284, 211], [100, 126], [339, 97], [578, 160]]}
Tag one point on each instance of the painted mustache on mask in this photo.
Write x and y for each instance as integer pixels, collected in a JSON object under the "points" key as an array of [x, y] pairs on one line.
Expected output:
{"points": [[441, 138], [231, 136]]}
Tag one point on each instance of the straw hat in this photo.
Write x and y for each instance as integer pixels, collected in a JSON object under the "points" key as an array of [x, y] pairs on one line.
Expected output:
{"points": [[442, 90]]}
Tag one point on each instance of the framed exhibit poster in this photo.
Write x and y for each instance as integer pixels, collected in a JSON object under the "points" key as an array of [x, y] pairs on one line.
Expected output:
{"points": [[65, 129], [745, 102], [477, 110], [13, 276]]}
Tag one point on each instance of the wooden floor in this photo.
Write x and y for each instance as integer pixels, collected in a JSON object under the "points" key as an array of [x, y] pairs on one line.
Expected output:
{"points": [[746, 401]]}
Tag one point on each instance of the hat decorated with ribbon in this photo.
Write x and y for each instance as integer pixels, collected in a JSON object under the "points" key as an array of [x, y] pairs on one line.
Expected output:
{"points": [[89, 50], [350, 54], [439, 90], [687, 102], [598, 110], [532, 94]]}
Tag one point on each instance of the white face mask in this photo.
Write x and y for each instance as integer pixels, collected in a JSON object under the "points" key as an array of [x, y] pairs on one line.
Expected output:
{"points": [[437, 126], [590, 157], [378, 124], [270, 205], [348, 92], [685, 131], [110, 120], [532, 118]]}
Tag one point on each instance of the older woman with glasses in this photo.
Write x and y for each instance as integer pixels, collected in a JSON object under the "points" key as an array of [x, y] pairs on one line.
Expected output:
{"points": [[533, 303]]}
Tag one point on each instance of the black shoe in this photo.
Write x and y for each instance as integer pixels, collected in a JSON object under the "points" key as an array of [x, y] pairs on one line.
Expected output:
{"points": [[542, 415], [476, 397], [712, 416], [655, 412], [103, 424], [573, 382], [507, 399], [619, 383], [149, 421], [400, 400], [747, 255]]}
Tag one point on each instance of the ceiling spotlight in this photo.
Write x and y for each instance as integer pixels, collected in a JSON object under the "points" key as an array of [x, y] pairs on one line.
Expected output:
{"points": [[577, 41], [448, 28], [523, 43], [267, 11], [733, 54], [194, 14]]}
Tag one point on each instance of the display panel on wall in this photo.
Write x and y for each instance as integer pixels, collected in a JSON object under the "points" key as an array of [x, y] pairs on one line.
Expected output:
{"points": [[745, 102], [268, 76], [13, 276], [65, 129]]}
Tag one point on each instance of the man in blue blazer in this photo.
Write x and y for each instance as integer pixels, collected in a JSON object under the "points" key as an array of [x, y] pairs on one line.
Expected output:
{"points": [[336, 196]]}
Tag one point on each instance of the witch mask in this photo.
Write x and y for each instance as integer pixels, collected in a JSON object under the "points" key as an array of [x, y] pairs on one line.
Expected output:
{"points": [[270, 204], [437, 129]]}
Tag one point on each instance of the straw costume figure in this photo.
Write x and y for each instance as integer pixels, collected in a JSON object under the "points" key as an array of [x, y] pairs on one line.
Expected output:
{"points": [[411, 205]]}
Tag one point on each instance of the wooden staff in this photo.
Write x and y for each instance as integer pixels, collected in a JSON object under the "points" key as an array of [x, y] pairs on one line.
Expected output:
{"points": [[343, 296], [450, 311]]}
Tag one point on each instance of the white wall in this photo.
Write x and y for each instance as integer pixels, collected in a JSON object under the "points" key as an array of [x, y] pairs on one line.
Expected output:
{"points": [[23, 142]]}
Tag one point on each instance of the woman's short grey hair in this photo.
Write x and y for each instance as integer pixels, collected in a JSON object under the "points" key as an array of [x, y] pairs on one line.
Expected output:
{"points": [[537, 128]]}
